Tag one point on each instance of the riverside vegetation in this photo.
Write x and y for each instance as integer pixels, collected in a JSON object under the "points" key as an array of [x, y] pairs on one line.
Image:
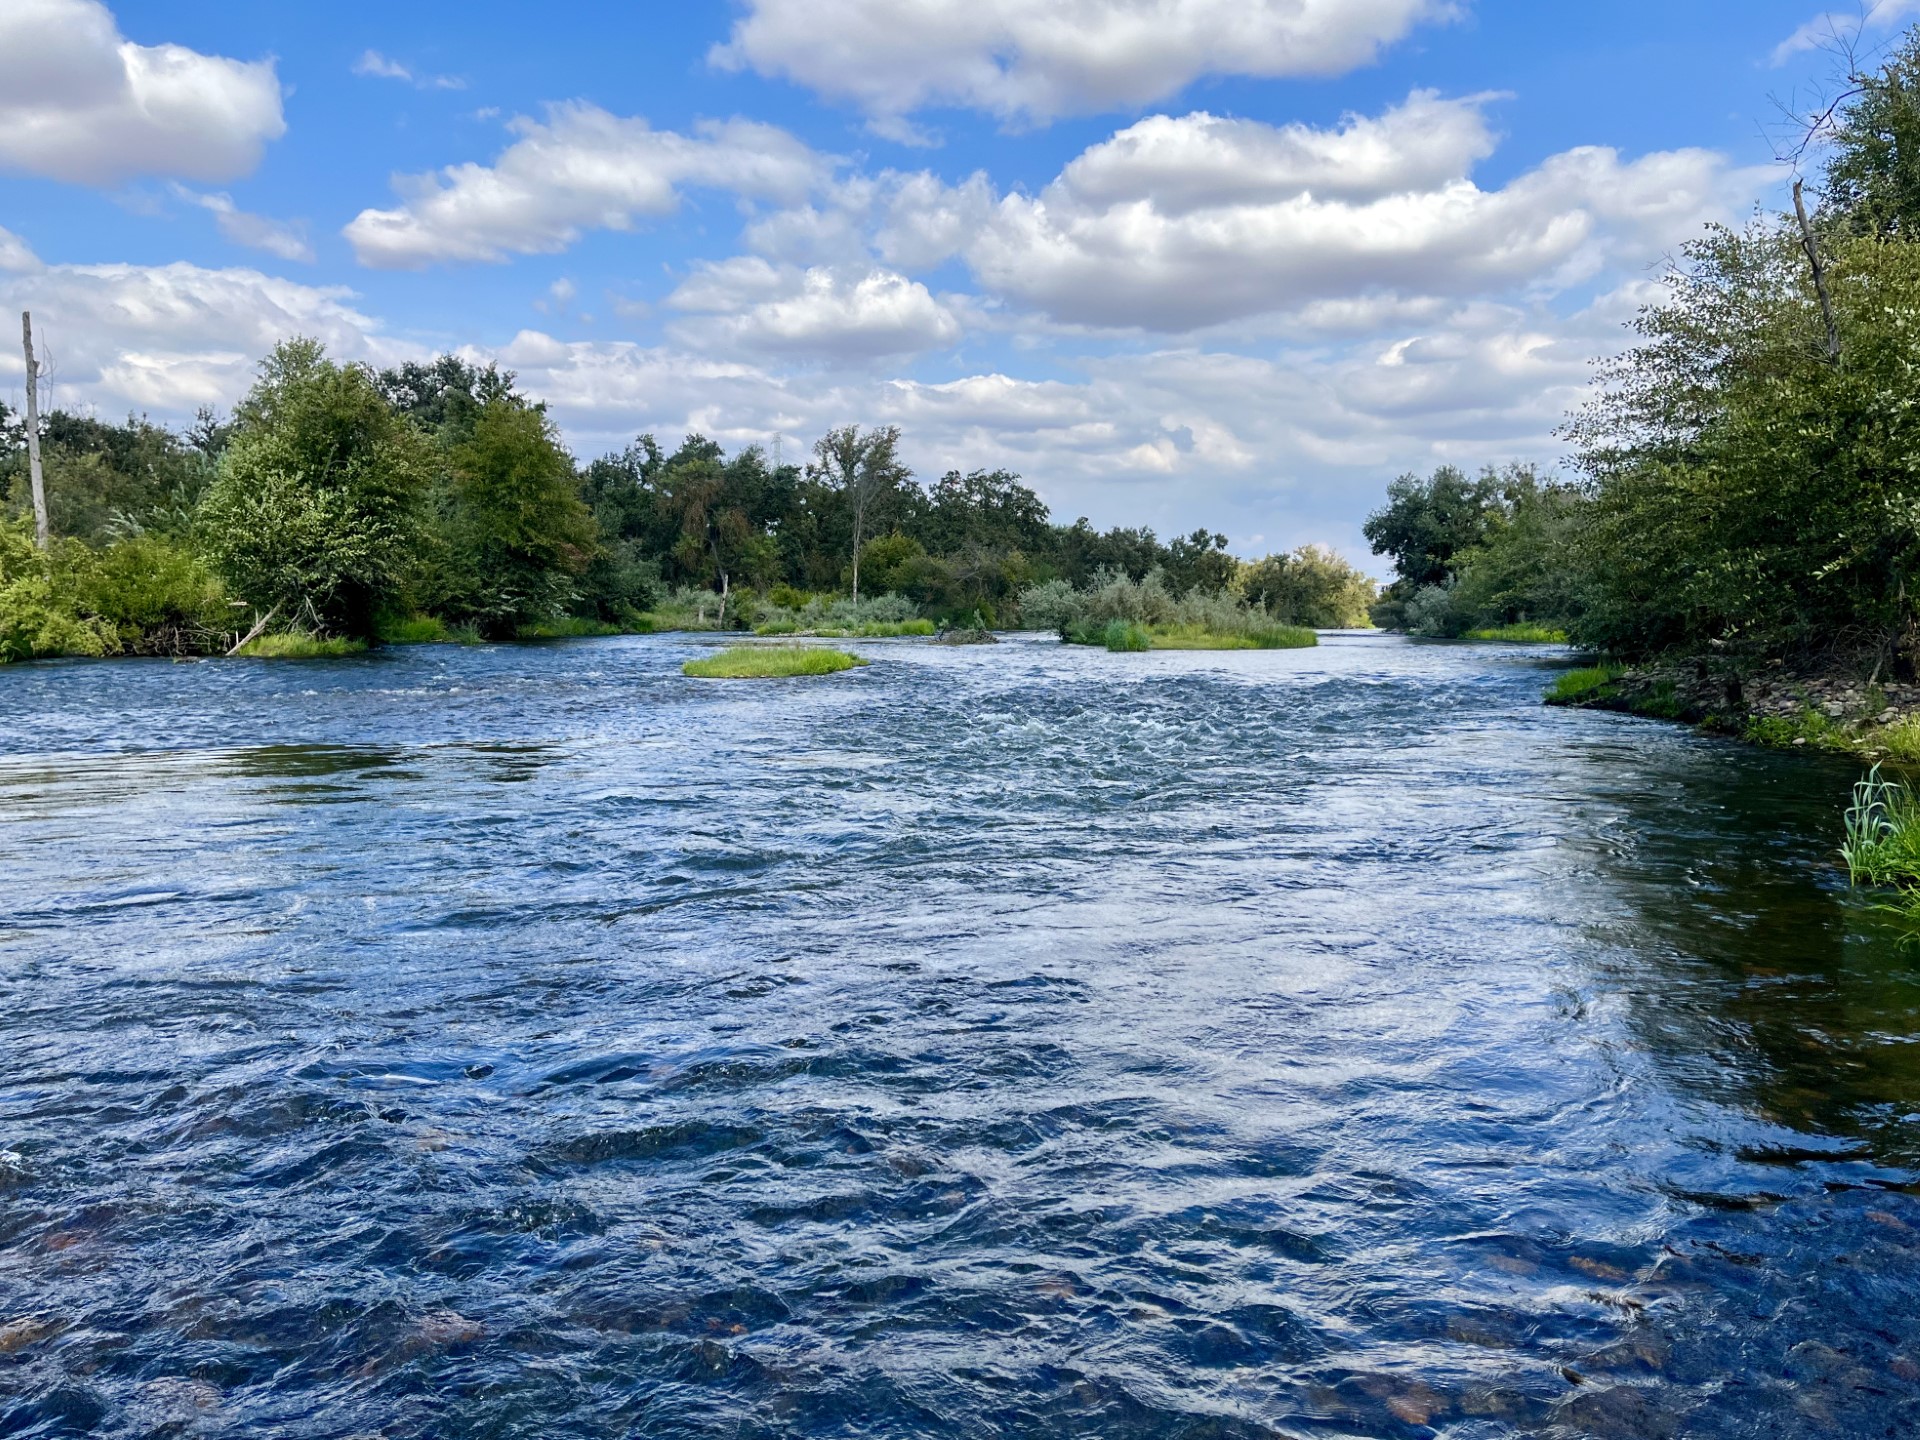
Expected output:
{"points": [[341, 507], [1741, 541]]}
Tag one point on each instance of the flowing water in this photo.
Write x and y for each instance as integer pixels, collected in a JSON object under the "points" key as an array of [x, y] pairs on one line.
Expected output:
{"points": [[528, 1041]]}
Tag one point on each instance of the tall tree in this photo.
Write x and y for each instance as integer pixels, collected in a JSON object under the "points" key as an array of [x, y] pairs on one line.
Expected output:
{"points": [[520, 531], [865, 469]]}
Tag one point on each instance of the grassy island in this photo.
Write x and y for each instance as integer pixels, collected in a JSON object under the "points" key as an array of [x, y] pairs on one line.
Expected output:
{"points": [[771, 662]]}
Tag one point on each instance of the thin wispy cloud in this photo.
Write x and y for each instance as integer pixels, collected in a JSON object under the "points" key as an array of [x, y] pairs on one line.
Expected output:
{"points": [[284, 238], [1844, 26], [375, 66]]}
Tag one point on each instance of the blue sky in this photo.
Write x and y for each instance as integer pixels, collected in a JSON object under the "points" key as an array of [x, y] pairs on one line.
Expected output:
{"points": [[1231, 263]]}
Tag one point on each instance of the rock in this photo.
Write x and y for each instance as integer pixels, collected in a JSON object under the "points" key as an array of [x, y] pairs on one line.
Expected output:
{"points": [[17, 1335], [449, 1327]]}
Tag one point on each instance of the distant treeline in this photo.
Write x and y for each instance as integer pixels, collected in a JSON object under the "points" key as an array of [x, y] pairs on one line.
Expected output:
{"points": [[1749, 476], [346, 505]]}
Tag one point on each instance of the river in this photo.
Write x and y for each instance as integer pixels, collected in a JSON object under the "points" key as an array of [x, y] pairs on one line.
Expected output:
{"points": [[994, 1042]]}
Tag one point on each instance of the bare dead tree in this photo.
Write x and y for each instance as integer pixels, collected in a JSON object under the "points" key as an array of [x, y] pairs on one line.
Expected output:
{"points": [[35, 475], [1811, 244]]}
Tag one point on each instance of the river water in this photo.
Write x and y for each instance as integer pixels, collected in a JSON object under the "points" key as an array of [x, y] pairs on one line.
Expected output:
{"points": [[995, 1042]]}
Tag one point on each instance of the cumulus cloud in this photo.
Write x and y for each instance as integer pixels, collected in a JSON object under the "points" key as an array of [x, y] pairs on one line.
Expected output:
{"points": [[167, 339], [286, 239], [579, 169], [79, 102], [1291, 443], [820, 313], [1178, 224], [1019, 60], [15, 254]]}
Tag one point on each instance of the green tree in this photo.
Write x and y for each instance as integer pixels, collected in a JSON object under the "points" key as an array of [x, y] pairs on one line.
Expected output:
{"points": [[864, 470], [521, 535], [316, 513], [1426, 523], [1310, 586], [1746, 491], [1200, 562]]}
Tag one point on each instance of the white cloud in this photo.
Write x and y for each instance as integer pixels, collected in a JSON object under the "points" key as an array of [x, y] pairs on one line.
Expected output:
{"points": [[286, 239], [376, 66], [15, 254], [79, 102], [1017, 59], [170, 338], [747, 304], [1844, 26], [580, 169], [1293, 444], [1178, 224]]}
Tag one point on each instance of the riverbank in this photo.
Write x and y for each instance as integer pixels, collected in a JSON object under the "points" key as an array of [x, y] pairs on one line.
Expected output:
{"points": [[1778, 708]]}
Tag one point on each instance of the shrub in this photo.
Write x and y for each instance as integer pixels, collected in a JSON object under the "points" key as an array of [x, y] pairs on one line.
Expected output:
{"points": [[1051, 605], [1126, 635], [1431, 613], [1312, 587], [157, 596], [37, 615]]}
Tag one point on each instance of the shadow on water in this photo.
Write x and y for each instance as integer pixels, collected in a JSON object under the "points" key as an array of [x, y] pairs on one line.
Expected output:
{"points": [[1748, 967]]}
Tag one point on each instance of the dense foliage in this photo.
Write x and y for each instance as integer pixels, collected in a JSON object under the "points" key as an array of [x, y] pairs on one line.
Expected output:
{"points": [[1749, 470], [343, 506]]}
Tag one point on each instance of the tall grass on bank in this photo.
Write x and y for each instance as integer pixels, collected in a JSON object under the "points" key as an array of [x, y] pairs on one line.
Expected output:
{"points": [[299, 645], [1882, 847], [771, 662], [1520, 635], [1590, 683]]}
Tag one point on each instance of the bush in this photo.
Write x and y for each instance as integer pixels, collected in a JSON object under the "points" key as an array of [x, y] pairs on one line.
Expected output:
{"points": [[1431, 613], [1126, 635], [157, 596], [37, 615]]}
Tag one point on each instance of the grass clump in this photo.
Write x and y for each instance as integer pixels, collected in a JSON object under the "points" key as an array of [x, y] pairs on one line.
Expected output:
{"points": [[410, 630], [568, 627], [1882, 847], [770, 662], [1809, 727], [1126, 637], [1591, 683], [299, 645], [1521, 635]]}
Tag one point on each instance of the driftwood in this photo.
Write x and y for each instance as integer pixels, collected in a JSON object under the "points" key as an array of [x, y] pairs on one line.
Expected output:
{"points": [[259, 626]]}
